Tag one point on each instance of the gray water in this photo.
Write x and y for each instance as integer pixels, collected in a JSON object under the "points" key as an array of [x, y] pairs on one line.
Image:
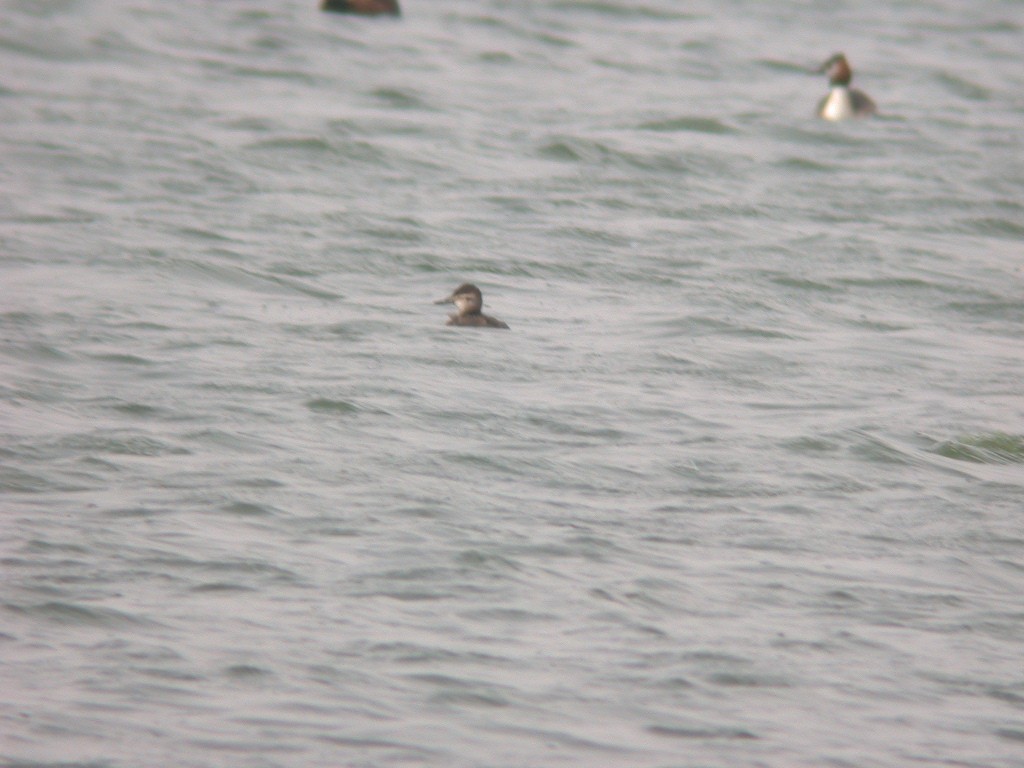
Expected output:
{"points": [[742, 485]]}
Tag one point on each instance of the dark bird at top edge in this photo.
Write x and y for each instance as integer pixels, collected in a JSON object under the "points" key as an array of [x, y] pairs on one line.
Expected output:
{"points": [[362, 7]]}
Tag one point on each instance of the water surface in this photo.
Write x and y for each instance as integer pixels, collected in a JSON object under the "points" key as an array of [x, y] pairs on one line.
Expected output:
{"points": [[742, 485]]}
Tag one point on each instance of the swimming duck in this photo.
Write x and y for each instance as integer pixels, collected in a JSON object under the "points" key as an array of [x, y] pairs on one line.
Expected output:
{"points": [[469, 301], [842, 101], [362, 7]]}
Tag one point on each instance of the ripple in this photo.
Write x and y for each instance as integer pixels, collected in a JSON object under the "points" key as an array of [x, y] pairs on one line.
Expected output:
{"points": [[75, 614], [996, 227], [250, 509], [989, 448], [122, 445], [964, 88], [703, 733], [325, 405], [694, 124], [400, 98]]}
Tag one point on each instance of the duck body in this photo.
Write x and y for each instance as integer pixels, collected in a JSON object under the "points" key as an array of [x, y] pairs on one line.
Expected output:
{"points": [[843, 103], [476, 321]]}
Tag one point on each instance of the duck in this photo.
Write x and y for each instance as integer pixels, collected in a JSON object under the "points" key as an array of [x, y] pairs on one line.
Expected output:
{"points": [[362, 7], [469, 300], [842, 102]]}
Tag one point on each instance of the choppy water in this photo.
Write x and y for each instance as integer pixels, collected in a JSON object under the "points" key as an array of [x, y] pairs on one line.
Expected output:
{"points": [[742, 485]]}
